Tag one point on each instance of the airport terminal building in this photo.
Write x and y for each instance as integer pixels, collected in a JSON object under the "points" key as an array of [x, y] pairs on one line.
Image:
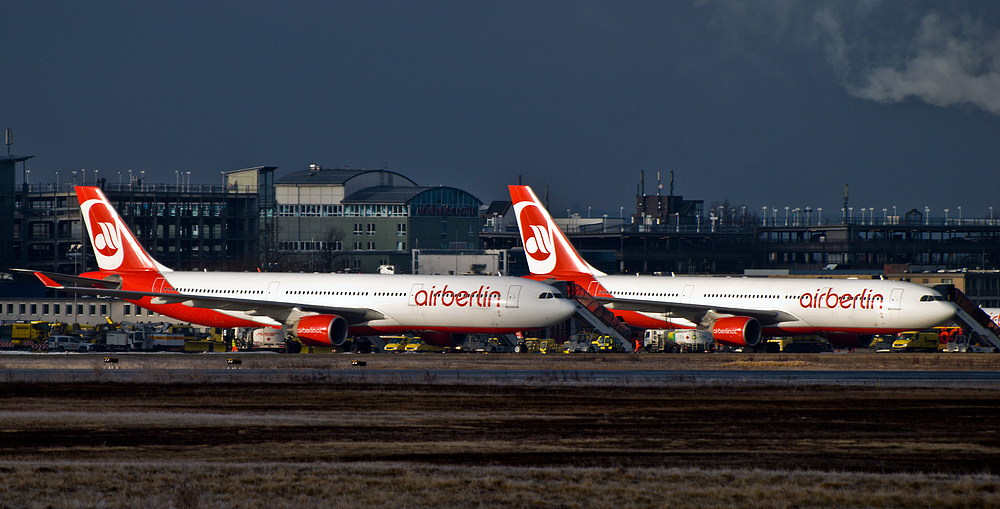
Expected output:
{"points": [[361, 220]]}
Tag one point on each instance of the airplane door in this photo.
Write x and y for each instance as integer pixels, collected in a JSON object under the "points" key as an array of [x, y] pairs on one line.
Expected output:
{"points": [[686, 294], [895, 297], [413, 294], [158, 285], [512, 294], [272, 290]]}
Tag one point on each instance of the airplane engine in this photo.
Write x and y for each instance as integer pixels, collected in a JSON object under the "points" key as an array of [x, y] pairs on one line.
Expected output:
{"points": [[737, 331], [443, 338], [321, 330], [850, 340]]}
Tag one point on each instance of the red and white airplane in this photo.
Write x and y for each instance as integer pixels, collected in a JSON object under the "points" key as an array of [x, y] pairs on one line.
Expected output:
{"points": [[318, 309], [738, 310]]}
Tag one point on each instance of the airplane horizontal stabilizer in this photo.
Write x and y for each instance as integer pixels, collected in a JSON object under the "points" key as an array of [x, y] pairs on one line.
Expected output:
{"points": [[52, 279]]}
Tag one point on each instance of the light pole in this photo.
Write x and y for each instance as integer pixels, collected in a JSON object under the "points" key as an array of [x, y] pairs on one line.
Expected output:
{"points": [[819, 216], [959, 214], [621, 212], [945, 216], [927, 215], [763, 219]]}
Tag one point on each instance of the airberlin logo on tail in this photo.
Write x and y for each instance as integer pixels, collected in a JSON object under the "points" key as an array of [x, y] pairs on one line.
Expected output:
{"points": [[106, 234], [538, 237]]}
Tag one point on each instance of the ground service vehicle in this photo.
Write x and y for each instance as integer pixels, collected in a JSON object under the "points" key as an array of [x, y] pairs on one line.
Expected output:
{"points": [[796, 344], [916, 341], [678, 340], [25, 334], [589, 343], [418, 345], [116, 341], [268, 339], [156, 341], [488, 344], [954, 339], [396, 344], [68, 344]]}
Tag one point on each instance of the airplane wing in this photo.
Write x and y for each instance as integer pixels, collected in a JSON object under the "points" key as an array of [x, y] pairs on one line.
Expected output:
{"points": [[695, 312], [280, 311]]}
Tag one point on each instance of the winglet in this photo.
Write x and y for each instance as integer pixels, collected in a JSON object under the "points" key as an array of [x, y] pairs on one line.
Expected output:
{"points": [[47, 281]]}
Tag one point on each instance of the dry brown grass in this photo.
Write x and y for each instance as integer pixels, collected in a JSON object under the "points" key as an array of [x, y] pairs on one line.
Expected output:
{"points": [[299, 441], [167, 484]]}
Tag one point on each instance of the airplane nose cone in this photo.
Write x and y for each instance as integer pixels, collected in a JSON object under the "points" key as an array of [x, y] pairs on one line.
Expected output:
{"points": [[947, 311], [564, 308]]}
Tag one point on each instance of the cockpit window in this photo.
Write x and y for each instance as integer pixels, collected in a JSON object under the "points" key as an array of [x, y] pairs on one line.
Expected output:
{"points": [[550, 295], [930, 298]]}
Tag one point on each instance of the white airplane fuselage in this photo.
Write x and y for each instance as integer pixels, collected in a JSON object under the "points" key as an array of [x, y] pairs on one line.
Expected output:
{"points": [[846, 306], [408, 303]]}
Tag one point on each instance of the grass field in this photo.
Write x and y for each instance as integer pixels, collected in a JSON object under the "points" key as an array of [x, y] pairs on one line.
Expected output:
{"points": [[334, 443]]}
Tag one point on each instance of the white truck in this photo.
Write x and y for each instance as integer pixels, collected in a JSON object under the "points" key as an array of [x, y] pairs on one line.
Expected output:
{"points": [[149, 341], [965, 344], [678, 340], [116, 341], [67, 344], [268, 339]]}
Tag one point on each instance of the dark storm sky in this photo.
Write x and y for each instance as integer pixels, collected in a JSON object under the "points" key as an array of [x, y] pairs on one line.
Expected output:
{"points": [[760, 102]]}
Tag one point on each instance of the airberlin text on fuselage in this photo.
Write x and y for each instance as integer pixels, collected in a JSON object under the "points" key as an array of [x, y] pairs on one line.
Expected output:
{"points": [[821, 299], [482, 298]]}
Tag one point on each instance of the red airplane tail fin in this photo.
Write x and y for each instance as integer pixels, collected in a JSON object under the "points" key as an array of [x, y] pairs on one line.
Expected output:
{"points": [[115, 248], [548, 250]]}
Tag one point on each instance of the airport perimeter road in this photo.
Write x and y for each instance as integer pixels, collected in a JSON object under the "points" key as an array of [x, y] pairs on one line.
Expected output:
{"points": [[865, 369]]}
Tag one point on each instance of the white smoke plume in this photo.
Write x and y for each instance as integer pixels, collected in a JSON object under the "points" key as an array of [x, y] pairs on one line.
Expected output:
{"points": [[886, 51], [947, 66]]}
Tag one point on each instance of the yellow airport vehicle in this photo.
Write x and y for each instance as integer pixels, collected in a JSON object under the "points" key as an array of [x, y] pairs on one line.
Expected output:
{"points": [[917, 341], [418, 345], [396, 344]]}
